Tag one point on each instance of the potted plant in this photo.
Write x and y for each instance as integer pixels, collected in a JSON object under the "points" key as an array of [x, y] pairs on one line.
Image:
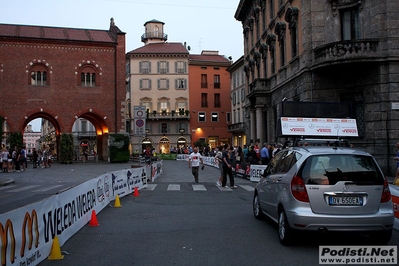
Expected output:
{"points": [[181, 111], [187, 112], [173, 112], [163, 112], [154, 112]]}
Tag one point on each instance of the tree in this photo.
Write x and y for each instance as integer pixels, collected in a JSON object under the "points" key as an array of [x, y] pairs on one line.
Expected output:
{"points": [[66, 148], [119, 148], [15, 140]]}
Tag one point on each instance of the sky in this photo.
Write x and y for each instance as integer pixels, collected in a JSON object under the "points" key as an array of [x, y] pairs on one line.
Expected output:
{"points": [[203, 25]]}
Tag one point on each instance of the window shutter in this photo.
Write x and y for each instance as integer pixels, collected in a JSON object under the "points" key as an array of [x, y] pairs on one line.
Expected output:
{"points": [[175, 67], [185, 67], [158, 66], [167, 83], [185, 83], [167, 67], [149, 67], [176, 83], [159, 83], [140, 70], [141, 83], [149, 83]]}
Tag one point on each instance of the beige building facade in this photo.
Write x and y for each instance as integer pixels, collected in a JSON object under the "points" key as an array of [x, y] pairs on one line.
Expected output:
{"points": [[157, 80]]}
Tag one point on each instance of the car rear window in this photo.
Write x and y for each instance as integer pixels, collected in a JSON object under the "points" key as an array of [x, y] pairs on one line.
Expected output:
{"points": [[330, 169]]}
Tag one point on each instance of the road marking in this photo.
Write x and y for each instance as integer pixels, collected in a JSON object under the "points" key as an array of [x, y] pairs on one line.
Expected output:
{"points": [[247, 188], [173, 187], [23, 188], [151, 186], [47, 188], [199, 188], [226, 188], [7, 187]]}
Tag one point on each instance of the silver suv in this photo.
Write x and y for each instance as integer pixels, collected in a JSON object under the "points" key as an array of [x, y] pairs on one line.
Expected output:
{"points": [[325, 189]]}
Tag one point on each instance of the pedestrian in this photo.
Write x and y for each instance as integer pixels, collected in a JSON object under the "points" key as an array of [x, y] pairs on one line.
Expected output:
{"points": [[194, 160], [264, 154], [219, 162], [396, 180], [4, 160], [35, 157], [245, 153], [252, 158], [227, 164]]}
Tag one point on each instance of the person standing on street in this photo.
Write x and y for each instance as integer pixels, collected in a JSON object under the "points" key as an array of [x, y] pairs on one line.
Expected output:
{"points": [[396, 180], [194, 161], [227, 164], [264, 154]]}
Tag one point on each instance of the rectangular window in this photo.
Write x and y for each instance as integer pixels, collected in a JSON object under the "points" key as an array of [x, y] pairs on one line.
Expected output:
{"points": [[201, 117], [145, 84], [204, 81], [164, 106], [163, 67], [234, 98], [214, 117], [216, 81], [83, 126], [164, 128], [204, 99], [217, 100], [350, 24], [145, 67], [242, 94], [163, 84], [181, 84], [180, 67], [228, 117]]}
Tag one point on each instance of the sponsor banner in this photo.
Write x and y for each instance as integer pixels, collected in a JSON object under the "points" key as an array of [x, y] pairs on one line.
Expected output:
{"points": [[182, 157], [242, 170], [321, 127], [156, 170], [256, 172], [26, 233], [358, 255]]}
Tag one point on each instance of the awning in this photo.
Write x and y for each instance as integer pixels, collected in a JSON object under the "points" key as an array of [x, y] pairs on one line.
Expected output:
{"points": [[84, 144]]}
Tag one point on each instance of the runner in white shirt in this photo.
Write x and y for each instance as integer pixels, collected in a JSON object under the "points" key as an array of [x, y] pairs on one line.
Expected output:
{"points": [[194, 161]]}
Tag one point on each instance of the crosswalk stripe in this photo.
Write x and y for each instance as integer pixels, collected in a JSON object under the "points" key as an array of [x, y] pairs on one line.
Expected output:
{"points": [[173, 187], [47, 188], [199, 188], [151, 186], [247, 188], [7, 187], [23, 188], [225, 188]]}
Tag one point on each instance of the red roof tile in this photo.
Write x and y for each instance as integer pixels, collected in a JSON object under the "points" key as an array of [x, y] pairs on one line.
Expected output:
{"points": [[54, 33], [210, 58], [161, 48]]}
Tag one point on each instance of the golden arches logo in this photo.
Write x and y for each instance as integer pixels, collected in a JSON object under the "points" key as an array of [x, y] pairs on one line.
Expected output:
{"points": [[4, 242], [28, 222]]}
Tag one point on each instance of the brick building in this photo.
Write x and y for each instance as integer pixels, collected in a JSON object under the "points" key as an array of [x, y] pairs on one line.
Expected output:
{"points": [[62, 74]]}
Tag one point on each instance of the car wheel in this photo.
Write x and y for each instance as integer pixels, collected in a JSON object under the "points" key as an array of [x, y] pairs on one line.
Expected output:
{"points": [[285, 232], [381, 237], [257, 209]]}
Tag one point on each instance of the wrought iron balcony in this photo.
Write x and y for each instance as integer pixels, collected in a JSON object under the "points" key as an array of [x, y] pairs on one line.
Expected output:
{"points": [[237, 127], [169, 115], [351, 50], [155, 34]]}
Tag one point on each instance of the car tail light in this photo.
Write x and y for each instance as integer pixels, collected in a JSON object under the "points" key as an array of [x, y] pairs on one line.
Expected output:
{"points": [[386, 194], [298, 189]]}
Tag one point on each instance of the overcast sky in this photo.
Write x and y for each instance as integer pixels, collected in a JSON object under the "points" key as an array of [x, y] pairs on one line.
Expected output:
{"points": [[202, 24]]}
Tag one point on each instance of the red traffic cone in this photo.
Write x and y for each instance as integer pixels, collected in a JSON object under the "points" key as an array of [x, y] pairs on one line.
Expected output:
{"points": [[93, 220], [136, 192]]}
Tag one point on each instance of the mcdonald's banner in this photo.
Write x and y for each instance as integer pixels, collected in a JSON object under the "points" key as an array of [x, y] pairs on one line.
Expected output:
{"points": [[27, 233]]}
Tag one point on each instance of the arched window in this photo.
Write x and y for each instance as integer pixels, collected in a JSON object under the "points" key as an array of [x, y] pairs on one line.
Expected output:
{"points": [[88, 76], [38, 75]]}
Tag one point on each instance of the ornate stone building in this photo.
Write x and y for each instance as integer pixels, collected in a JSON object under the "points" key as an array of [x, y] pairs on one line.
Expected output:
{"points": [[324, 51]]}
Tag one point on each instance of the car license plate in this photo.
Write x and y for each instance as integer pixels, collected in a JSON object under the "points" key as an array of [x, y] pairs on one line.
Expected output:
{"points": [[345, 201]]}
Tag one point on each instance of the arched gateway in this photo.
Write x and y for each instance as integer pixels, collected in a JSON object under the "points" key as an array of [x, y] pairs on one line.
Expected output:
{"points": [[62, 74]]}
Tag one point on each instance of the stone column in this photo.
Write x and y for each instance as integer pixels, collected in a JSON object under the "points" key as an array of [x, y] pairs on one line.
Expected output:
{"points": [[252, 122], [260, 126]]}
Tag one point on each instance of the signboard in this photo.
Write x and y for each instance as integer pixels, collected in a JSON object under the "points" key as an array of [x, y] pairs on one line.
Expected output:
{"points": [[323, 127], [139, 120]]}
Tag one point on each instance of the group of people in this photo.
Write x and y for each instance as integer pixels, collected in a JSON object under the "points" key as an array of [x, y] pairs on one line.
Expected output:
{"points": [[16, 160], [226, 156]]}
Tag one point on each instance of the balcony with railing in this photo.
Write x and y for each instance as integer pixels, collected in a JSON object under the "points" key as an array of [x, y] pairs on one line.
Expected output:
{"points": [[347, 51], [169, 115], [154, 35], [237, 127]]}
